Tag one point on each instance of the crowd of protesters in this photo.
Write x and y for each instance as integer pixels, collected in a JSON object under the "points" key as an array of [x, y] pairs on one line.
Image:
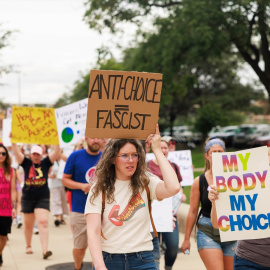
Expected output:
{"points": [[99, 177]]}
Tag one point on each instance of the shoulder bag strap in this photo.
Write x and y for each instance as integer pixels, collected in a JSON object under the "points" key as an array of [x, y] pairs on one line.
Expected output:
{"points": [[102, 211], [150, 208]]}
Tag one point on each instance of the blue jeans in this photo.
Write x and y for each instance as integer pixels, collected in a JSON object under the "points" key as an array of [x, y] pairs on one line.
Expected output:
{"points": [[127, 261], [171, 240], [243, 264], [156, 251]]}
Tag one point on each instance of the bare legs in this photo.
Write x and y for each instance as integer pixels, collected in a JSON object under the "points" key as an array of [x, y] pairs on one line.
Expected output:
{"points": [[213, 259], [29, 220], [42, 216], [78, 255]]}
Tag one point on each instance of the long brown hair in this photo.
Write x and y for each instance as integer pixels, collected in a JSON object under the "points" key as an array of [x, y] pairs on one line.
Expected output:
{"points": [[105, 170], [7, 162]]}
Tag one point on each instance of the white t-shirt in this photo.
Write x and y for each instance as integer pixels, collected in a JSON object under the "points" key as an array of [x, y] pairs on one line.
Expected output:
{"points": [[126, 223]]}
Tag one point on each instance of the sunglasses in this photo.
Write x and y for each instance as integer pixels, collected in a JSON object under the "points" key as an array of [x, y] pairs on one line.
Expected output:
{"points": [[3, 154]]}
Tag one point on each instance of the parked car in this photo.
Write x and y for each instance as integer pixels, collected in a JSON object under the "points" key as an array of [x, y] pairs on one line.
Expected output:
{"points": [[183, 134], [227, 133], [240, 137], [262, 140], [247, 134], [261, 130]]}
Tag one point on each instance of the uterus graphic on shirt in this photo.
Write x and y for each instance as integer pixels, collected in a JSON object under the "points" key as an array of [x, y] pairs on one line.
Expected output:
{"points": [[35, 177], [132, 207]]}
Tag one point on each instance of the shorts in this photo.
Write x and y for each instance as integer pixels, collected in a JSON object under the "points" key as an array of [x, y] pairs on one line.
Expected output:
{"points": [[29, 204], [78, 223], [205, 242], [5, 225]]}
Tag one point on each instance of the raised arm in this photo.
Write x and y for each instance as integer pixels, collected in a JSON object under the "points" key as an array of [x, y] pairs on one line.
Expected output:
{"points": [[19, 156], [93, 221], [54, 153], [192, 213], [170, 185]]}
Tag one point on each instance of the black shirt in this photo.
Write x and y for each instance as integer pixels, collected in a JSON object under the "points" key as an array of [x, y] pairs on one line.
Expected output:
{"points": [[36, 177]]}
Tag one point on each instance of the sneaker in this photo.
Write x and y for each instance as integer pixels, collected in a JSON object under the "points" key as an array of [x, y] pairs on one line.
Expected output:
{"points": [[1, 260], [19, 223], [57, 222], [15, 222], [35, 230]]}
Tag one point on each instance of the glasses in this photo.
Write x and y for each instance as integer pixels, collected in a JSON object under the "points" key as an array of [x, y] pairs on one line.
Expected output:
{"points": [[3, 154], [126, 157], [172, 143]]}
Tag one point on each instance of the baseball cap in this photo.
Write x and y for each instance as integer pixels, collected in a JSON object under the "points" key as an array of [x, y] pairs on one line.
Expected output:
{"points": [[36, 149]]}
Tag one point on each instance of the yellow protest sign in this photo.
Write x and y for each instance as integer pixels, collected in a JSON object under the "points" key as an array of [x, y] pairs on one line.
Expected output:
{"points": [[33, 125]]}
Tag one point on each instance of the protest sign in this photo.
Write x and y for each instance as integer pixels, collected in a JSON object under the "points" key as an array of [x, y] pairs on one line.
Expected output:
{"points": [[6, 132], [123, 104], [34, 125], [162, 215], [184, 161], [243, 182], [71, 121]]}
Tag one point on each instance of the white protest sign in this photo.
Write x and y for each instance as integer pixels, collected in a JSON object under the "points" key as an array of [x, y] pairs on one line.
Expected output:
{"points": [[243, 182], [6, 131], [162, 215], [184, 161], [71, 122], [66, 151]]}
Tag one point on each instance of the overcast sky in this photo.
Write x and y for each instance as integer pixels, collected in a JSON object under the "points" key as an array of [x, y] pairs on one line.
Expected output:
{"points": [[51, 45]]}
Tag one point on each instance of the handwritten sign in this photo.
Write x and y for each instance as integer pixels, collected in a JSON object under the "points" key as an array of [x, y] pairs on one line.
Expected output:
{"points": [[33, 125], [184, 161], [243, 181], [162, 215], [123, 104], [71, 121]]}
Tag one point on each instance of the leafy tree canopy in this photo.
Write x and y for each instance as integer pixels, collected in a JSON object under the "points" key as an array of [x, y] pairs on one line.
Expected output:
{"points": [[242, 25]]}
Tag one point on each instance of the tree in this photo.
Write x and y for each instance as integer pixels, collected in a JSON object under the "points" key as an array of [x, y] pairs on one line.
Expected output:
{"points": [[243, 25], [4, 37], [192, 74]]}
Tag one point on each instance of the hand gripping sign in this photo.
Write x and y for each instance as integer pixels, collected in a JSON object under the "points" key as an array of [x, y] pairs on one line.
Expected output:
{"points": [[123, 104]]}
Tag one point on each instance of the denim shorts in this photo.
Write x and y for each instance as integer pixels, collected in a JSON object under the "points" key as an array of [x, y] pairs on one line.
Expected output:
{"points": [[127, 261], [205, 242]]}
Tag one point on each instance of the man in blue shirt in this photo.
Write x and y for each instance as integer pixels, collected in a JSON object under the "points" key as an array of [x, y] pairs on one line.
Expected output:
{"points": [[78, 176]]}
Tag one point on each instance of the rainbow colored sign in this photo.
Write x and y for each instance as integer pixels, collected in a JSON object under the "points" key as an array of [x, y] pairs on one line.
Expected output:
{"points": [[243, 181]]}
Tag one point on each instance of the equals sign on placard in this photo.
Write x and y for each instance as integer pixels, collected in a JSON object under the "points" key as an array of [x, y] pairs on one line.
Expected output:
{"points": [[121, 107]]}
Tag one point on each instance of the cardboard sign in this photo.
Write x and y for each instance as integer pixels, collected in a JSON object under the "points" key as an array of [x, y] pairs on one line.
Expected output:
{"points": [[243, 181], [162, 215], [71, 121], [34, 125], [123, 104], [184, 161]]}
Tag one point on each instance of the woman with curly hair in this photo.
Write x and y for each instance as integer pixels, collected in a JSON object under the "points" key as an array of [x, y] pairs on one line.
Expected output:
{"points": [[8, 197], [126, 241]]}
